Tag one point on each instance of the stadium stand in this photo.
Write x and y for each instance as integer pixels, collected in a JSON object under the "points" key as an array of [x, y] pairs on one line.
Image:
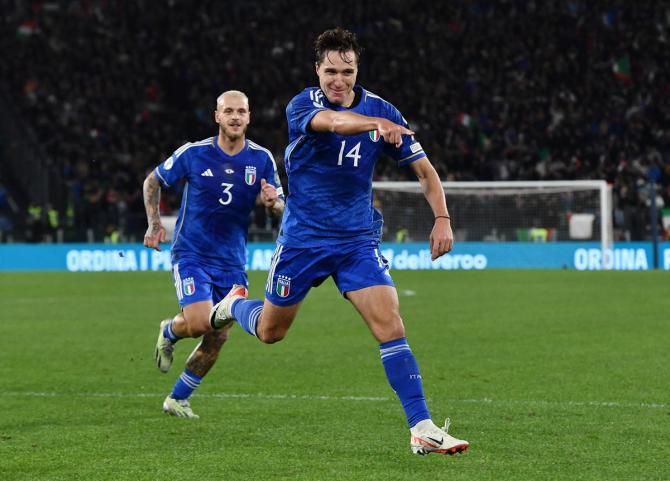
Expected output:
{"points": [[95, 93]]}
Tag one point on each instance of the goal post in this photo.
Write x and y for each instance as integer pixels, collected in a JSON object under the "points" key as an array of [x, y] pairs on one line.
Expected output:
{"points": [[508, 211]]}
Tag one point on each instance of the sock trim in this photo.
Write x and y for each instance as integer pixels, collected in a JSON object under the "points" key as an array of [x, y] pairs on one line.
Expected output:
{"points": [[169, 333], [397, 347]]}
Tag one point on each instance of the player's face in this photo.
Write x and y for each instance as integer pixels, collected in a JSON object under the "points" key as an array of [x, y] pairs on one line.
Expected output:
{"points": [[233, 116], [337, 76]]}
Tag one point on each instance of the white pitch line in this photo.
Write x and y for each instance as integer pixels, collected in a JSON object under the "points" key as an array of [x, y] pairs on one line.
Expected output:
{"points": [[311, 397], [599, 404], [306, 397]]}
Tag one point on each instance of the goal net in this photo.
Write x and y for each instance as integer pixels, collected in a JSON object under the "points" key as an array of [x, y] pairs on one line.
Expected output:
{"points": [[521, 211]]}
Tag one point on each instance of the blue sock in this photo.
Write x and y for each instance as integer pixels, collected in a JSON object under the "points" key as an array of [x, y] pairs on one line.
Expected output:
{"points": [[185, 385], [167, 332], [403, 374], [246, 313]]}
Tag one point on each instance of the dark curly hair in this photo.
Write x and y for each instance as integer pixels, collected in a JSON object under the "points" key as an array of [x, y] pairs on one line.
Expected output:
{"points": [[338, 39]]}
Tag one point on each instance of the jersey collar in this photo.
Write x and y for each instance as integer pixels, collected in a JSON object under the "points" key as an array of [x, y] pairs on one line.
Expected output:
{"points": [[359, 93], [217, 147]]}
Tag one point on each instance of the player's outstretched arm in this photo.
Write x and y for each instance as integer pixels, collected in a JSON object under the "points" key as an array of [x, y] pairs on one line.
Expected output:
{"points": [[351, 123], [155, 234], [441, 237], [271, 199]]}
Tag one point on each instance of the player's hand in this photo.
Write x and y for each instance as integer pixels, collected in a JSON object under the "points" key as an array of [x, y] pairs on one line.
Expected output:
{"points": [[441, 238], [268, 194], [391, 132], [154, 236]]}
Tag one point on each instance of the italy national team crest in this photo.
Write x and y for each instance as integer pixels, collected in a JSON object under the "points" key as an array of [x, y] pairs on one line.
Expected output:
{"points": [[250, 174], [283, 286], [189, 286], [374, 135]]}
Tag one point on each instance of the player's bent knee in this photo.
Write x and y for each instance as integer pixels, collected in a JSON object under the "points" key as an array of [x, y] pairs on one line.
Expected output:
{"points": [[275, 322], [270, 336], [396, 333], [389, 330], [198, 328]]}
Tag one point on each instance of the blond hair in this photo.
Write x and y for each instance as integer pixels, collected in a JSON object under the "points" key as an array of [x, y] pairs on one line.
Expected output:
{"points": [[219, 99]]}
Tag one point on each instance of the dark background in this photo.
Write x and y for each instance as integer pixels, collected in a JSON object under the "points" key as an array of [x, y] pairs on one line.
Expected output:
{"points": [[94, 94]]}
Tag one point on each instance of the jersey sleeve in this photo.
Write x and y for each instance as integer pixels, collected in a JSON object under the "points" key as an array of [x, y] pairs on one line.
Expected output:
{"points": [[302, 109], [410, 150], [271, 175], [174, 168]]}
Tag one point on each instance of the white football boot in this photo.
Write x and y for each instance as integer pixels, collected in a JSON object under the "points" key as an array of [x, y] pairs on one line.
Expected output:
{"points": [[180, 408], [221, 314], [426, 438], [164, 349]]}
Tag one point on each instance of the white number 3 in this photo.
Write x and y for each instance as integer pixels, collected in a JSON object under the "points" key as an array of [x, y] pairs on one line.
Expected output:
{"points": [[226, 192], [353, 153]]}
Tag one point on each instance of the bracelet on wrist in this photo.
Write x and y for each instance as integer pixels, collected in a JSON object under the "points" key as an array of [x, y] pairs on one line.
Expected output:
{"points": [[442, 217]]}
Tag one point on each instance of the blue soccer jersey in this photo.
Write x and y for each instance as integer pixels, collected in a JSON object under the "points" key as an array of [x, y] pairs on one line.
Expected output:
{"points": [[217, 201], [330, 175]]}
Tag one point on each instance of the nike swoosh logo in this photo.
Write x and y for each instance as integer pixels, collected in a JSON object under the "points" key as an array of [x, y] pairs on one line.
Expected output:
{"points": [[435, 440]]}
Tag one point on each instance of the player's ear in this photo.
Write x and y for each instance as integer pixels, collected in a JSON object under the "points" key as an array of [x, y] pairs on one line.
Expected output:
{"points": [[216, 116]]}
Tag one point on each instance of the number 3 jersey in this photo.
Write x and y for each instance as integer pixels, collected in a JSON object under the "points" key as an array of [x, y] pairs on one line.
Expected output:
{"points": [[330, 175], [218, 197]]}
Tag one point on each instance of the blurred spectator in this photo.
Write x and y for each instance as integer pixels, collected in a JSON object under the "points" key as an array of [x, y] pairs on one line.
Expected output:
{"points": [[35, 223], [6, 224]]}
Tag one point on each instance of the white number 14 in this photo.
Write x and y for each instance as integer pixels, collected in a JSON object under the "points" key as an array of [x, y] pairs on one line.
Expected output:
{"points": [[353, 153]]}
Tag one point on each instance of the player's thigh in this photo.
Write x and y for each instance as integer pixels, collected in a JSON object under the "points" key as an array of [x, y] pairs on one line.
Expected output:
{"points": [[197, 314], [379, 307]]}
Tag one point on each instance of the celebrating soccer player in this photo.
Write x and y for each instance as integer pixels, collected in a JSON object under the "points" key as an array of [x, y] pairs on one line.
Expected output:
{"points": [[224, 176], [330, 228]]}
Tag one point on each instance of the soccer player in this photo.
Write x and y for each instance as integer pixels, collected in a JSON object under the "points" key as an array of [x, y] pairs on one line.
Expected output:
{"points": [[224, 176], [330, 228]]}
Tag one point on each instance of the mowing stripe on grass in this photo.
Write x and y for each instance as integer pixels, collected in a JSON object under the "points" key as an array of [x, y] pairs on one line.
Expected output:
{"points": [[308, 397]]}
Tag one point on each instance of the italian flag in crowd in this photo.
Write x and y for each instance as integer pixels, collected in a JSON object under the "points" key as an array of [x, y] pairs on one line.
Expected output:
{"points": [[27, 28], [465, 120], [621, 68]]}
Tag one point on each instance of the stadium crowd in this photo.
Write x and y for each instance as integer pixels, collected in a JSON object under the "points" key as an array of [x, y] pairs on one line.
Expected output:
{"points": [[496, 90]]}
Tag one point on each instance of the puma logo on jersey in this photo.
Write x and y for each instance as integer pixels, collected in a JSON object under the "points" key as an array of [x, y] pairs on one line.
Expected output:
{"points": [[207, 173]]}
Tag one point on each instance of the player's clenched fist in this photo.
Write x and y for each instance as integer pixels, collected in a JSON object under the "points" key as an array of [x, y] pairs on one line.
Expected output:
{"points": [[441, 238], [268, 194]]}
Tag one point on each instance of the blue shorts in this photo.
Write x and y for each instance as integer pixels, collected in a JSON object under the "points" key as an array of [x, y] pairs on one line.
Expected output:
{"points": [[294, 271], [195, 281]]}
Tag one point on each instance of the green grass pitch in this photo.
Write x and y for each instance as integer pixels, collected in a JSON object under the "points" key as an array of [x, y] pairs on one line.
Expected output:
{"points": [[551, 375]]}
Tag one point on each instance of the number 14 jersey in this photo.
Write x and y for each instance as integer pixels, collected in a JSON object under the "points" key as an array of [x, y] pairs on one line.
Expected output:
{"points": [[330, 175]]}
